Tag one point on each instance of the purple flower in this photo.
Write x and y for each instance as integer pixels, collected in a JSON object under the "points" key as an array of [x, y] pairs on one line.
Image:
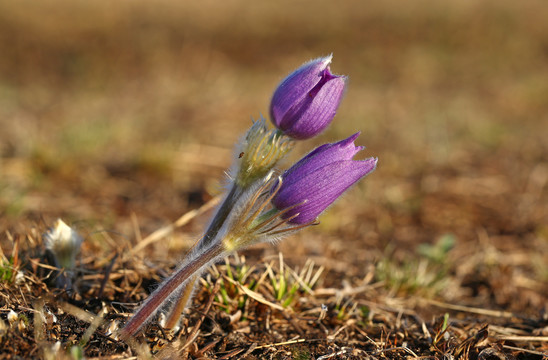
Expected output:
{"points": [[305, 102], [318, 179]]}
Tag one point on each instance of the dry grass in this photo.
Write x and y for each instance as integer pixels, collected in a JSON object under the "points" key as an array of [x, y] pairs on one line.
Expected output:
{"points": [[120, 118]]}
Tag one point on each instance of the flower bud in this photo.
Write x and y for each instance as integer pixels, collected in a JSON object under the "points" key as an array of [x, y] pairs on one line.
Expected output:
{"points": [[64, 243], [305, 102], [317, 180], [12, 317]]}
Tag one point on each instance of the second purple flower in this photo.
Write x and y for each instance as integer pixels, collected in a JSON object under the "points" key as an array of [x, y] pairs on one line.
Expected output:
{"points": [[305, 102], [318, 179]]}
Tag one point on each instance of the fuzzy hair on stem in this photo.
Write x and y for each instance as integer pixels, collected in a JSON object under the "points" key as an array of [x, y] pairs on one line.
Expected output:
{"points": [[258, 152], [159, 298], [239, 231]]}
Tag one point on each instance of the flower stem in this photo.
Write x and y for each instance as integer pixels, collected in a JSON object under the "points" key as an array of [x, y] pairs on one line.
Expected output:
{"points": [[184, 293], [220, 217], [183, 296], [168, 288]]}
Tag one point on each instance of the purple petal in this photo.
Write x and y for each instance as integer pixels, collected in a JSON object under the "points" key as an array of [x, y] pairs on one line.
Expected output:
{"points": [[317, 190], [315, 111], [296, 86], [322, 156]]}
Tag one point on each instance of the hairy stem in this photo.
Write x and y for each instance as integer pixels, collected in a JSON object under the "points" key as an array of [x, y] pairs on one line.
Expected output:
{"points": [[168, 288], [220, 217], [183, 296]]}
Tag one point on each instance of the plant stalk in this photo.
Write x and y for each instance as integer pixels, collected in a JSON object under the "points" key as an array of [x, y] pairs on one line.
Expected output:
{"points": [[185, 292], [183, 296], [168, 288]]}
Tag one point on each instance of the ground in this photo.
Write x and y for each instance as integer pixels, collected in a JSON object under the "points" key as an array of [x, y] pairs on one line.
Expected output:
{"points": [[120, 119]]}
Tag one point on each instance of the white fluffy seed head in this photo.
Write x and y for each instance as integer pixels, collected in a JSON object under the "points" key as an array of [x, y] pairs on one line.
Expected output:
{"points": [[12, 317], [64, 243]]}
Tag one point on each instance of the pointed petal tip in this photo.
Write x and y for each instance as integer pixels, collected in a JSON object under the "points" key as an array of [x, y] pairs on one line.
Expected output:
{"points": [[373, 160], [353, 137], [323, 61], [327, 59]]}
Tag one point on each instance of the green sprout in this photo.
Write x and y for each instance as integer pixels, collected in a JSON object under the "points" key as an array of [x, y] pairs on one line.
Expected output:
{"points": [[426, 274], [6, 270], [287, 283]]}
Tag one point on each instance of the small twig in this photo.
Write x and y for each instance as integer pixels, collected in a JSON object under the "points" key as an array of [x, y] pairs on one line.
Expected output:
{"points": [[347, 292], [249, 350], [107, 275], [282, 343], [426, 332], [95, 323], [207, 347], [329, 356], [231, 354], [77, 312], [136, 227], [108, 338], [507, 331], [473, 310], [39, 330], [334, 335], [524, 338], [541, 353], [404, 348], [45, 266]]}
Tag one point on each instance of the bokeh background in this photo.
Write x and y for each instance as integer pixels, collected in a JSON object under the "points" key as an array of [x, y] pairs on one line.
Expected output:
{"points": [[121, 116]]}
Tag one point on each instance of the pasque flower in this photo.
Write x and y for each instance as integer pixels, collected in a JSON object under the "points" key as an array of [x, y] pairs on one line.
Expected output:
{"points": [[318, 179], [305, 102], [259, 207], [63, 244]]}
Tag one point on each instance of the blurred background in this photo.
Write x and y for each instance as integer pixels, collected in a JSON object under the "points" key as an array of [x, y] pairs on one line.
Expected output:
{"points": [[123, 115]]}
